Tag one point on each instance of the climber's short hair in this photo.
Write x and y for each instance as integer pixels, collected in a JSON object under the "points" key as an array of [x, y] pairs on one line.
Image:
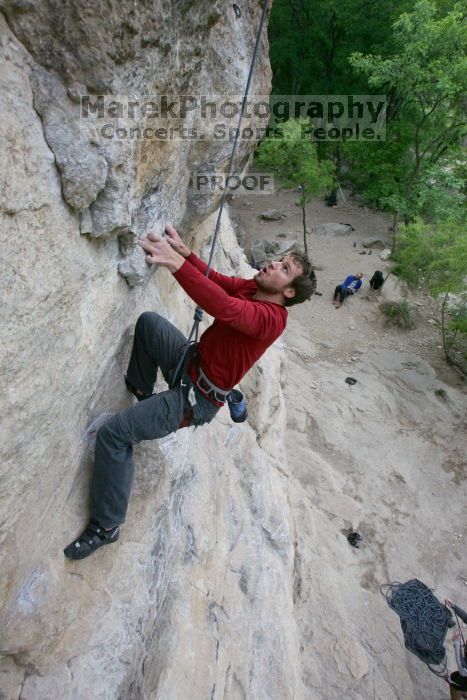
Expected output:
{"points": [[304, 284]]}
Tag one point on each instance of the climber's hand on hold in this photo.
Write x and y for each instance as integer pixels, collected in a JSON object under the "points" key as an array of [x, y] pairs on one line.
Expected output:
{"points": [[174, 240], [160, 253]]}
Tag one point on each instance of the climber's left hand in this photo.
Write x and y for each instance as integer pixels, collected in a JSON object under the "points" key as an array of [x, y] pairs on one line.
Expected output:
{"points": [[159, 252]]}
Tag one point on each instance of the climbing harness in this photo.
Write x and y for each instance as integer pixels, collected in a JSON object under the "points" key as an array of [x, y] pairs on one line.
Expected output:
{"points": [[180, 375], [207, 387], [424, 621]]}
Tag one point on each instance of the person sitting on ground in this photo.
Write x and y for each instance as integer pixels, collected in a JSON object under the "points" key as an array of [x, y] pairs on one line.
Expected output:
{"points": [[377, 281], [249, 315], [376, 284], [349, 286], [458, 679]]}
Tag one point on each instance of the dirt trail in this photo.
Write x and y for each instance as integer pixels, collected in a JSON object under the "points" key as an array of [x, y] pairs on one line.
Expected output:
{"points": [[359, 325]]}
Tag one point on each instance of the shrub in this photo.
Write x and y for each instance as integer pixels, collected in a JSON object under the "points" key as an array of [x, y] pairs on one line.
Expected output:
{"points": [[435, 256], [399, 313]]}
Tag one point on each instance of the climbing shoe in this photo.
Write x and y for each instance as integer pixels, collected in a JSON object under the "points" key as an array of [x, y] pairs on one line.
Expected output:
{"points": [[92, 538], [135, 391]]}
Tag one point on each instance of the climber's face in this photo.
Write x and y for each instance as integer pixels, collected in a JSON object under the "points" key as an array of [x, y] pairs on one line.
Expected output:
{"points": [[278, 275]]}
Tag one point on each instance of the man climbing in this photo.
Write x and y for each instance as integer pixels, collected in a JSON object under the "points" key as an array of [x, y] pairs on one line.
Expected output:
{"points": [[349, 286], [249, 316]]}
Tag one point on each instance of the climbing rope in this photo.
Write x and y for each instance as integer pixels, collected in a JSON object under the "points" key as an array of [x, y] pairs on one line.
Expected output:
{"points": [[198, 315], [424, 621]]}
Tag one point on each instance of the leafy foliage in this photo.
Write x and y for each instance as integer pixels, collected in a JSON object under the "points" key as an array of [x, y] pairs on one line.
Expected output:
{"points": [[293, 158], [459, 318], [310, 41], [436, 256], [416, 55], [399, 313], [426, 80]]}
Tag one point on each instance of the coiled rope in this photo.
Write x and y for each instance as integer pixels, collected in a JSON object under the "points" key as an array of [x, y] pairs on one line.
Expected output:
{"points": [[424, 621]]}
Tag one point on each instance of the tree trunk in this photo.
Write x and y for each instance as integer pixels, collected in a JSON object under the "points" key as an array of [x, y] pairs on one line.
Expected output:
{"points": [[449, 359], [395, 225], [305, 245], [443, 328]]}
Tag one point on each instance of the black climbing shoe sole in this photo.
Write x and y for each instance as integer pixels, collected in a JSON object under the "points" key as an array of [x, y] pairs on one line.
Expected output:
{"points": [[90, 540]]}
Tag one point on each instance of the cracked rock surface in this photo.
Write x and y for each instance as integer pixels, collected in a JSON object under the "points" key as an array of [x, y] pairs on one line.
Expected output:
{"points": [[131, 55]]}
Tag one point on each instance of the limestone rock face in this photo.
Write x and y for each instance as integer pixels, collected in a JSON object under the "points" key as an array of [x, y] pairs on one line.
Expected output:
{"points": [[395, 290], [71, 205], [101, 74]]}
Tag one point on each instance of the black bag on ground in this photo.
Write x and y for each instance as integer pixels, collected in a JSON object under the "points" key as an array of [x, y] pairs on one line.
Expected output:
{"points": [[377, 280]]}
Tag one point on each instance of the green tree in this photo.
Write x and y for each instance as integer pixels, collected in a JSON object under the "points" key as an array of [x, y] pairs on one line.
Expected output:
{"points": [[426, 78], [292, 156], [310, 41], [435, 256]]}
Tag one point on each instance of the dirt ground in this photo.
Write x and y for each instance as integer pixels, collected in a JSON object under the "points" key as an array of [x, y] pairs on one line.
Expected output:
{"points": [[346, 333]]}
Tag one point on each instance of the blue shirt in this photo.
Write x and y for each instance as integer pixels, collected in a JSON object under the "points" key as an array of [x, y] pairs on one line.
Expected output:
{"points": [[352, 282]]}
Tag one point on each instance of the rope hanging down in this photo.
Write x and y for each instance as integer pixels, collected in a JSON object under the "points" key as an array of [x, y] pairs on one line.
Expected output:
{"points": [[198, 315], [464, 643], [424, 621]]}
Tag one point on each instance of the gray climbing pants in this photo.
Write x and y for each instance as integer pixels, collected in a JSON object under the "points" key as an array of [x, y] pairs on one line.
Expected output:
{"points": [[157, 345]]}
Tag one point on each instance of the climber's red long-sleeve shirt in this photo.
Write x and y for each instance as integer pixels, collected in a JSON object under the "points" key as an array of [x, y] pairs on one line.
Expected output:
{"points": [[243, 327]]}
